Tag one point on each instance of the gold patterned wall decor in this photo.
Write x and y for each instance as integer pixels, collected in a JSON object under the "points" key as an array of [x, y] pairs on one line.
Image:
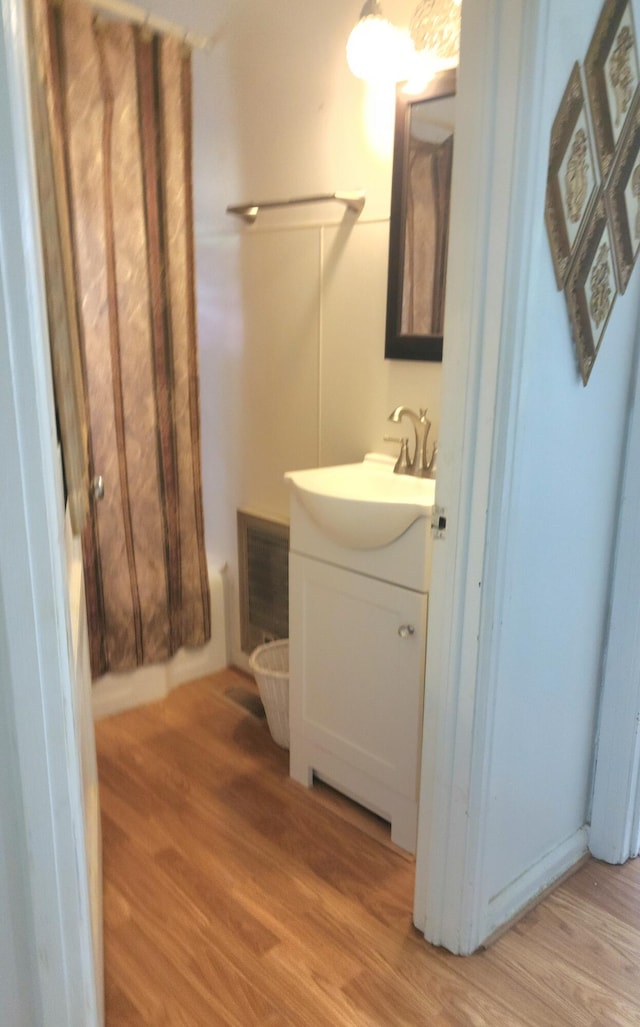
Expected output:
{"points": [[611, 69], [592, 207], [623, 197], [572, 181], [591, 288]]}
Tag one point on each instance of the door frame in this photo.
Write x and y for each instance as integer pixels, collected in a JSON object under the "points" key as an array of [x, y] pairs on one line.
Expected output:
{"points": [[615, 814], [33, 578], [495, 215], [495, 219]]}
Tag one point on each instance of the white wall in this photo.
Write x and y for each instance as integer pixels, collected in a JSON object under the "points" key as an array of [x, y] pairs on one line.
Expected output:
{"points": [[17, 958], [557, 549], [291, 310]]}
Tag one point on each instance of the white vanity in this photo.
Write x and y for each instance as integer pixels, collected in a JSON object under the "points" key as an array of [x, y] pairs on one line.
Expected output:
{"points": [[360, 563]]}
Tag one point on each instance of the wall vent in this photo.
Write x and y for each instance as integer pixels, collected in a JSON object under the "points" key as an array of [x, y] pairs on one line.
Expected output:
{"points": [[263, 570]]}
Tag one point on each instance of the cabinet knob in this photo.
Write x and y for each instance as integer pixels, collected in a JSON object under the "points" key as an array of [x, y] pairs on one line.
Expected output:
{"points": [[406, 630]]}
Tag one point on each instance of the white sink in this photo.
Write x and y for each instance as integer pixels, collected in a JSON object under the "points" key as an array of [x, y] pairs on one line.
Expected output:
{"points": [[365, 505]]}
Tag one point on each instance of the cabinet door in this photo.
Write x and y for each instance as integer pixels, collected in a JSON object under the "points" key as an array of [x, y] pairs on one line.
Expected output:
{"points": [[357, 665]]}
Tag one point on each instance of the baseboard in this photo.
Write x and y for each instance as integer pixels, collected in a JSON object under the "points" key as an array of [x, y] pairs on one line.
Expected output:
{"points": [[191, 664], [114, 693], [530, 887]]}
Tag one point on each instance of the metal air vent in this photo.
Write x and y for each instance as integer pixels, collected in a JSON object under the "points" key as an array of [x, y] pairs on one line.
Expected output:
{"points": [[263, 568]]}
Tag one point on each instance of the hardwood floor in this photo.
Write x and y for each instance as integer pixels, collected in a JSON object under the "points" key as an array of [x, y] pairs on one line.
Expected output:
{"points": [[232, 896]]}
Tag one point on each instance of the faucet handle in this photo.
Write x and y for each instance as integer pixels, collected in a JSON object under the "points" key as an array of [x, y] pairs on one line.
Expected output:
{"points": [[403, 464]]}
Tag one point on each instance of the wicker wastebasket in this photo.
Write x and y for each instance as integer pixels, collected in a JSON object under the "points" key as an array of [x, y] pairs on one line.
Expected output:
{"points": [[269, 664]]}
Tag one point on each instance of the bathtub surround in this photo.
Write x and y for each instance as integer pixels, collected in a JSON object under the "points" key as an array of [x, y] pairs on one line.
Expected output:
{"points": [[124, 102]]}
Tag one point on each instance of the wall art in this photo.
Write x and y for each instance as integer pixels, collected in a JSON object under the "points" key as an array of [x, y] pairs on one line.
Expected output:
{"points": [[572, 180], [623, 198], [591, 287], [611, 68]]}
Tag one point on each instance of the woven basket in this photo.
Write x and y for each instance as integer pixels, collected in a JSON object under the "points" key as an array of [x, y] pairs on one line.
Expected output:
{"points": [[270, 665]]}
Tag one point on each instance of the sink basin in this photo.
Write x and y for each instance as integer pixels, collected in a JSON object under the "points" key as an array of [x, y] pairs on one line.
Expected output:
{"points": [[365, 505]]}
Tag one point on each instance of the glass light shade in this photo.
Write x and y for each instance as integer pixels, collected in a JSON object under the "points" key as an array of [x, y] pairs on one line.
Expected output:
{"points": [[436, 27], [421, 67], [375, 48]]}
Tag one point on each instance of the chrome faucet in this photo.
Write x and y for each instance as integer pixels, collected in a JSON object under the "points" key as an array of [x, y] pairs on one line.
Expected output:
{"points": [[419, 465]]}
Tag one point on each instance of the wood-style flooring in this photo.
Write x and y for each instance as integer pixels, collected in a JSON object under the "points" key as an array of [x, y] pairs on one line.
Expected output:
{"points": [[233, 896]]}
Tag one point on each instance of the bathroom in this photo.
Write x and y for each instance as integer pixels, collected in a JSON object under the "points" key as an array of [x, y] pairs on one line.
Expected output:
{"points": [[292, 309], [306, 307], [291, 336], [292, 372]]}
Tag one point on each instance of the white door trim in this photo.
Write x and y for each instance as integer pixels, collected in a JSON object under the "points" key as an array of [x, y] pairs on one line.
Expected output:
{"points": [[33, 576], [615, 813], [495, 217]]}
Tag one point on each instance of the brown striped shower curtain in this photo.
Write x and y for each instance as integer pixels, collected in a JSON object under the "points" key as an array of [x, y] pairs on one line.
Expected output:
{"points": [[426, 236], [122, 116]]}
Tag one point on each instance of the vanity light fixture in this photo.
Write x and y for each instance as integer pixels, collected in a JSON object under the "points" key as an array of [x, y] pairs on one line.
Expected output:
{"points": [[435, 38], [376, 49], [379, 51], [435, 28]]}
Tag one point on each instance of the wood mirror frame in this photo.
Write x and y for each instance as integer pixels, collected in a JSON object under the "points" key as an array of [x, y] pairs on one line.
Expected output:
{"points": [[399, 344]]}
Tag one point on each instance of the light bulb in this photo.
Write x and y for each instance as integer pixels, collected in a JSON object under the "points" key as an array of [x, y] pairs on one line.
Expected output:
{"points": [[421, 68], [376, 50]]}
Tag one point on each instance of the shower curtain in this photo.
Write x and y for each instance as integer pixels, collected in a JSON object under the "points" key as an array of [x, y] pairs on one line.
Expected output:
{"points": [[121, 108], [426, 236]]}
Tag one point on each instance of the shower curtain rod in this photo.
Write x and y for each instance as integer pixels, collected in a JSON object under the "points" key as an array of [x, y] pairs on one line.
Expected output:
{"points": [[131, 12]]}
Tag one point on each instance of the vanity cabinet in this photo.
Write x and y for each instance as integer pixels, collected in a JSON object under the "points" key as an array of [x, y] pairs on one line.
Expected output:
{"points": [[356, 668]]}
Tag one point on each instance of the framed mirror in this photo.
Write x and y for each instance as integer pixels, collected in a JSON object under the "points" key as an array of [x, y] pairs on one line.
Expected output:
{"points": [[419, 223]]}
